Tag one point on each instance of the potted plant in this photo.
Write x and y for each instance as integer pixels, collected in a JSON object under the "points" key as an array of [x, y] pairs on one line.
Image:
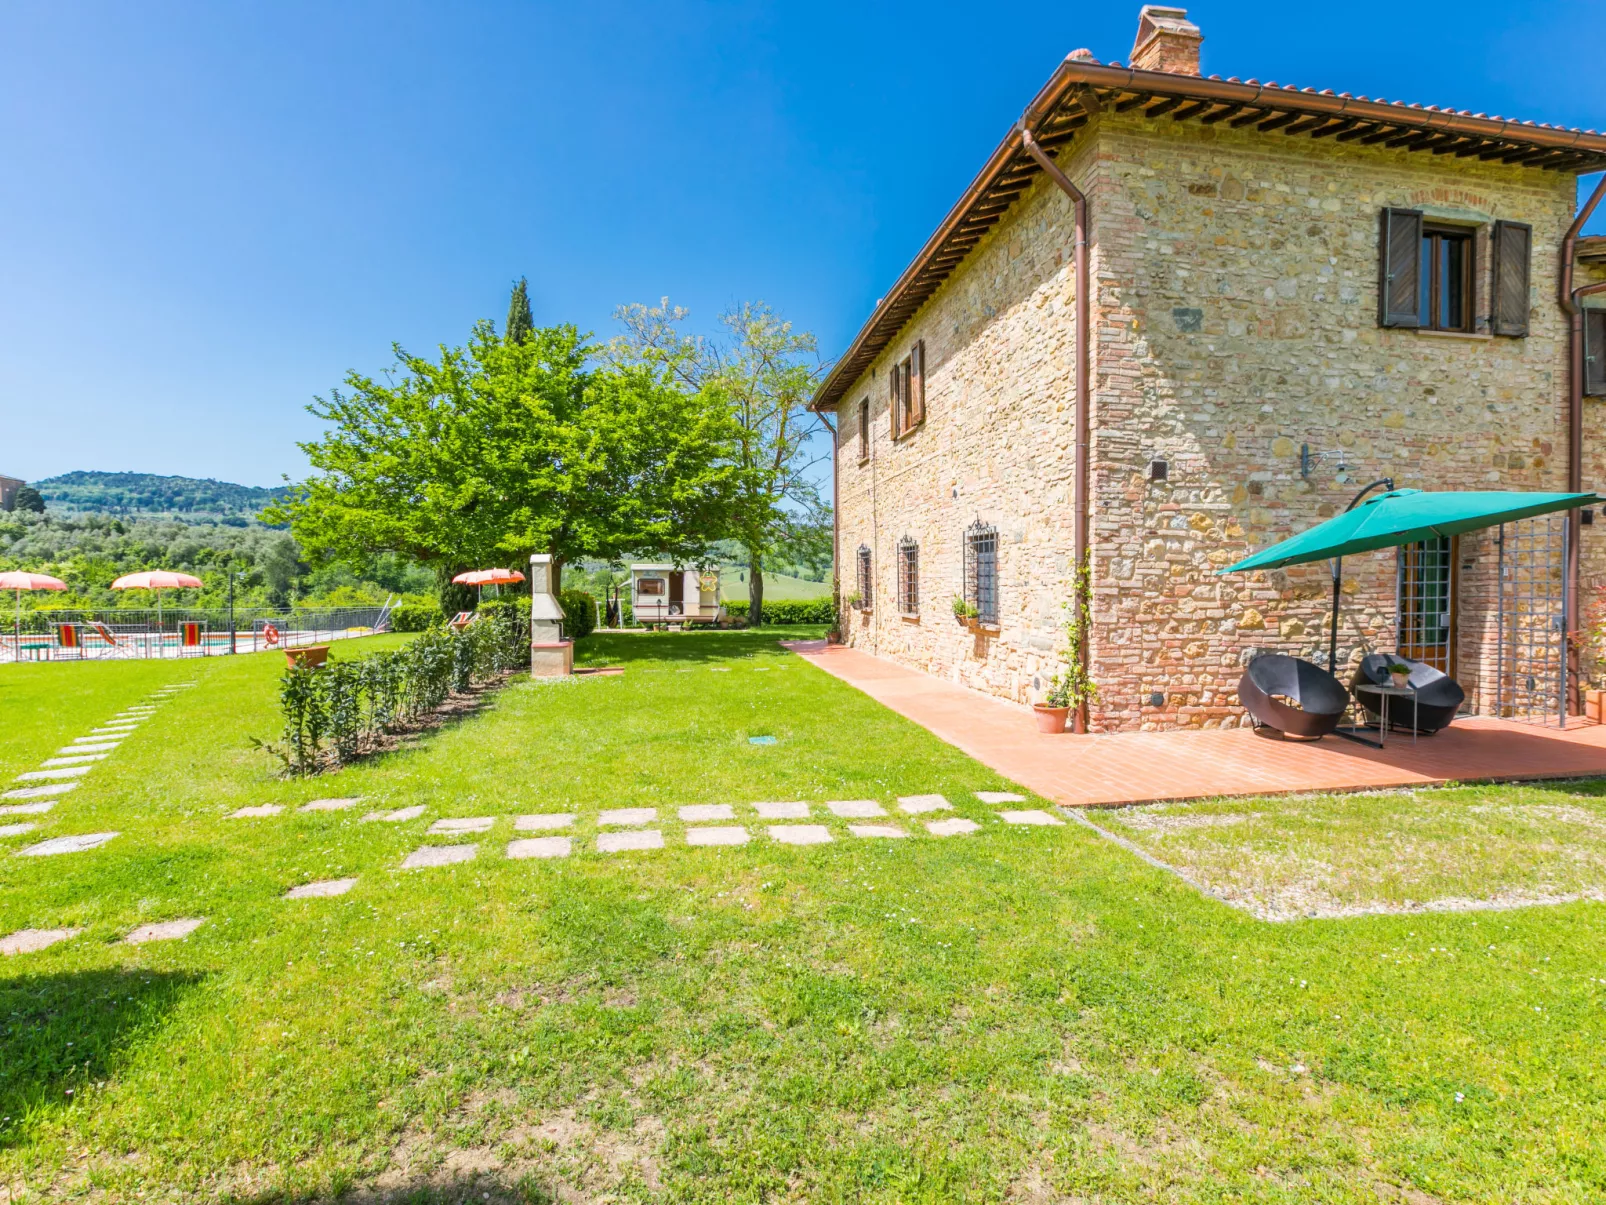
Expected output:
{"points": [[311, 656], [855, 601], [1055, 707], [1399, 674], [965, 613]]}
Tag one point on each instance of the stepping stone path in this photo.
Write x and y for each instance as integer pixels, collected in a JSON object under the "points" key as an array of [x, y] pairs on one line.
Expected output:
{"points": [[855, 809], [1000, 797], [16, 830], [542, 822], [707, 811], [55, 788], [26, 941], [876, 830], [83, 746], [1030, 817], [540, 847], [66, 845], [627, 816], [463, 824], [732, 835], [320, 890], [73, 760], [167, 930], [329, 805], [800, 834], [781, 811], [63, 772], [261, 809], [618, 843], [438, 855], [400, 814], [958, 826], [915, 804], [26, 809]]}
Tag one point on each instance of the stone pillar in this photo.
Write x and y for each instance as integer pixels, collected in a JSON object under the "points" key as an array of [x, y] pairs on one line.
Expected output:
{"points": [[551, 656]]}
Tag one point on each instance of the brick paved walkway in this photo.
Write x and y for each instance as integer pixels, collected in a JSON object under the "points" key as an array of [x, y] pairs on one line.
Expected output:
{"points": [[1143, 767]]}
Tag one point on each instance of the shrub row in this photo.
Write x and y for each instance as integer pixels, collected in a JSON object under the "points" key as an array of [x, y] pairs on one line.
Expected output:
{"points": [[337, 711], [415, 616], [789, 610]]}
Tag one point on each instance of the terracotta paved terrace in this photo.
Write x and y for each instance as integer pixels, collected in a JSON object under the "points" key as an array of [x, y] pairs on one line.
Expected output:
{"points": [[1144, 767]]}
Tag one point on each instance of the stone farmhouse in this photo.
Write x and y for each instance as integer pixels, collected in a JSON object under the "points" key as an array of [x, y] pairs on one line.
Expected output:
{"points": [[1176, 318]]}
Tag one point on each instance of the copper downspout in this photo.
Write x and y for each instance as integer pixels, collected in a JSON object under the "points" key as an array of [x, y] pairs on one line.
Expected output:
{"points": [[1083, 310], [1575, 419]]}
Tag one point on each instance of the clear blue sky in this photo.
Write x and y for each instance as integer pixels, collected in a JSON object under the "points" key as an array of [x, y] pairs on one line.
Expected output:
{"points": [[209, 212]]}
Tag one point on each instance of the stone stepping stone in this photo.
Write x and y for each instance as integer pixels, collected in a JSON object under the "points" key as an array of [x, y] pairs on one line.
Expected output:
{"points": [[1029, 817], [329, 805], [167, 930], [876, 830], [82, 746], [26, 941], [543, 821], [100, 734], [400, 814], [707, 811], [627, 816], [75, 844], [439, 855], [1000, 797], [463, 824], [619, 843], [26, 809], [725, 835], [958, 826], [16, 830], [800, 834], [73, 759], [61, 772], [855, 809], [261, 809], [541, 847], [719, 669], [55, 788], [782, 811], [915, 804], [321, 889]]}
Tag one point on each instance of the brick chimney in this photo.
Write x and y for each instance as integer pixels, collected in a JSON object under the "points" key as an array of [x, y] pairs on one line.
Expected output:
{"points": [[1167, 41]]}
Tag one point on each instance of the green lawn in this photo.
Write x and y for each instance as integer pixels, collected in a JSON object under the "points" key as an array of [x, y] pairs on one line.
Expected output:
{"points": [[1019, 1014], [777, 586]]}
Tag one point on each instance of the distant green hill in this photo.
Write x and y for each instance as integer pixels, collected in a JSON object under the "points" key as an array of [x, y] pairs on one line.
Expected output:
{"points": [[148, 494]]}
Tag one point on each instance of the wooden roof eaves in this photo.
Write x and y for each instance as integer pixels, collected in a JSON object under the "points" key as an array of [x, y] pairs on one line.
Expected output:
{"points": [[1123, 89]]}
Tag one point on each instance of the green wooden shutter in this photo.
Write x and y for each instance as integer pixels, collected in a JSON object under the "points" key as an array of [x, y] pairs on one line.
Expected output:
{"points": [[1399, 260]]}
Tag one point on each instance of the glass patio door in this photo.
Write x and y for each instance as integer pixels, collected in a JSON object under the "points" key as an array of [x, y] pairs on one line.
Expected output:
{"points": [[1426, 602]]}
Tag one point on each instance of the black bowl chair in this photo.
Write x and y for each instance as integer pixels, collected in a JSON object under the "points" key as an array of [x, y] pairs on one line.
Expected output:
{"points": [[1438, 696], [1273, 678]]}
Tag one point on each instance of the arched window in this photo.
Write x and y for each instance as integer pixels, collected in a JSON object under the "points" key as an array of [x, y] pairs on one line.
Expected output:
{"points": [[865, 587], [981, 571], [908, 576]]}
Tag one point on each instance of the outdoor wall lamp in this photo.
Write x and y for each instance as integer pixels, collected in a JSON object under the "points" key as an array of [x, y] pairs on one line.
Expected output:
{"points": [[1308, 460]]}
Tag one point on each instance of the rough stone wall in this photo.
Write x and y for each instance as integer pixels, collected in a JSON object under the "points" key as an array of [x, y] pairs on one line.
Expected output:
{"points": [[995, 445], [1234, 321], [1592, 544], [1238, 324]]}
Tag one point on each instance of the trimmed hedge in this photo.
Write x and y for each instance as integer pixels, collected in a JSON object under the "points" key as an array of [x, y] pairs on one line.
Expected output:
{"points": [[415, 616], [579, 613], [789, 610]]}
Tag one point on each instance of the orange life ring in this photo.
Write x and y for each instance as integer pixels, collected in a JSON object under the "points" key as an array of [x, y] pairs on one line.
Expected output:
{"points": [[270, 634]]}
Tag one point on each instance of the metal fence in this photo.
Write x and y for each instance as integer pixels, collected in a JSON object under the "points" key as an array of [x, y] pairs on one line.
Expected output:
{"points": [[108, 634]]}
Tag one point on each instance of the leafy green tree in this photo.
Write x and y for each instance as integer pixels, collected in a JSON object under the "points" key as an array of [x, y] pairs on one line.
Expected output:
{"points": [[29, 499], [499, 449], [520, 323], [763, 374]]}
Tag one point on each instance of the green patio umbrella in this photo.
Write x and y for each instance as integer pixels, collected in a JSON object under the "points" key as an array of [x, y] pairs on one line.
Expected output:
{"points": [[1402, 517]]}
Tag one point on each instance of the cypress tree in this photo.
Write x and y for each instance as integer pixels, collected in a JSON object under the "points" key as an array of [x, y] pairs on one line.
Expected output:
{"points": [[520, 326]]}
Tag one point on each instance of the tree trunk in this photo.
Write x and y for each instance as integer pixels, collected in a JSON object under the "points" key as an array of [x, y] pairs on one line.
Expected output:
{"points": [[755, 587]]}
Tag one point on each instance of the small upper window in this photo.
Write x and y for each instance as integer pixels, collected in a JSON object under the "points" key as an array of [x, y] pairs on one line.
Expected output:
{"points": [[908, 576], [864, 430], [1444, 279], [908, 384]]}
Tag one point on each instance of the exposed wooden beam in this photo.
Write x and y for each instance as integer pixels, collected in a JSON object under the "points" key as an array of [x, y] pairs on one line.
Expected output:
{"points": [[1277, 123], [1192, 110], [1338, 127], [1307, 125], [1141, 98], [1360, 131], [1384, 133], [1164, 107], [1210, 119], [1249, 118]]}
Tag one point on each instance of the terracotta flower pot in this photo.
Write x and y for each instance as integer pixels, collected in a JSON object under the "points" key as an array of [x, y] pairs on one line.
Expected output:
{"points": [[1050, 719], [1400, 680], [312, 656]]}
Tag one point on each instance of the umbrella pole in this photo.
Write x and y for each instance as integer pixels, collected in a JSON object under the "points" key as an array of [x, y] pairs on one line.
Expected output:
{"points": [[1332, 639]]}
